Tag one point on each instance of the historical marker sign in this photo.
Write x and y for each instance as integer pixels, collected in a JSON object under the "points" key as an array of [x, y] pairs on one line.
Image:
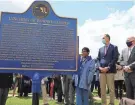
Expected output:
{"points": [[38, 39]]}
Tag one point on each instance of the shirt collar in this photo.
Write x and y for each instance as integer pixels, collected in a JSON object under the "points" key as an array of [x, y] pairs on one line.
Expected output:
{"points": [[107, 45], [87, 58]]}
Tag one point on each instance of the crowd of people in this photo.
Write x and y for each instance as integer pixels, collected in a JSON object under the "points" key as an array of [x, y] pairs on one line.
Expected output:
{"points": [[111, 72], [23, 83], [20, 82]]}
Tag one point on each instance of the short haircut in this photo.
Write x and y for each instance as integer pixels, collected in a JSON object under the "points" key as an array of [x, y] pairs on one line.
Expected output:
{"points": [[86, 49], [108, 36], [132, 37]]}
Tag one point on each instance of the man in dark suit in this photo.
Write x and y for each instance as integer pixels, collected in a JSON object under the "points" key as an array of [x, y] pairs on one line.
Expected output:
{"points": [[58, 87], [25, 86], [6, 80], [107, 56], [128, 64]]}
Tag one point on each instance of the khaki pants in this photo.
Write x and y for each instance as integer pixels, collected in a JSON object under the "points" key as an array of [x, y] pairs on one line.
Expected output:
{"points": [[14, 90], [107, 78], [44, 94]]}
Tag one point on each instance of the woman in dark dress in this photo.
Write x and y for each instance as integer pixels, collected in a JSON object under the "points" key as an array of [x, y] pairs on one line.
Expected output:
{"points": [[24, 86]]}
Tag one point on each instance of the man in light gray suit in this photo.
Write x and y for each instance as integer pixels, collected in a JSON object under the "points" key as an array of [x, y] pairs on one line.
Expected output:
{"points": [[127, 61], [69, 90]]}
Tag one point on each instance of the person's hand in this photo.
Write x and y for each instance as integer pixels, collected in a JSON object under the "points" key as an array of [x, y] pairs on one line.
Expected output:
{"points": [[100, 68], [106, 69], [127, 69], [103, 70]]}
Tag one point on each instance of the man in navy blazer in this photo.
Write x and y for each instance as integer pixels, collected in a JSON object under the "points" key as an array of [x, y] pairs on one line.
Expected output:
{"points": [[107, 56]]}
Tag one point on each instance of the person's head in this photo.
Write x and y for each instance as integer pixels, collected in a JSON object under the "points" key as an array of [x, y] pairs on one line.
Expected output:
{"points": [[85, 52], [106, 39], [130, 41]]}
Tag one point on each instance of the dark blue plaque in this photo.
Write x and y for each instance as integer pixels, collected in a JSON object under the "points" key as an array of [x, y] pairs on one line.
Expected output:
{"points": [[38, 40]]}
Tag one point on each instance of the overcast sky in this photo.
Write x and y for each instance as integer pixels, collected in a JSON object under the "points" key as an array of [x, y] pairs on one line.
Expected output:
{"points": [[116, 18]]}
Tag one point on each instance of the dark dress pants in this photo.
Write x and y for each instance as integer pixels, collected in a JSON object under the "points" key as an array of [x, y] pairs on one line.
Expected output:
{"points": [[3, 95], [119, 88], [130, 85]]}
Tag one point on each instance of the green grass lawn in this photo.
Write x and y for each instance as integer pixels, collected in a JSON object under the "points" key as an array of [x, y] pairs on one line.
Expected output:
{"points": [[28, 101], [24, 101]]}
